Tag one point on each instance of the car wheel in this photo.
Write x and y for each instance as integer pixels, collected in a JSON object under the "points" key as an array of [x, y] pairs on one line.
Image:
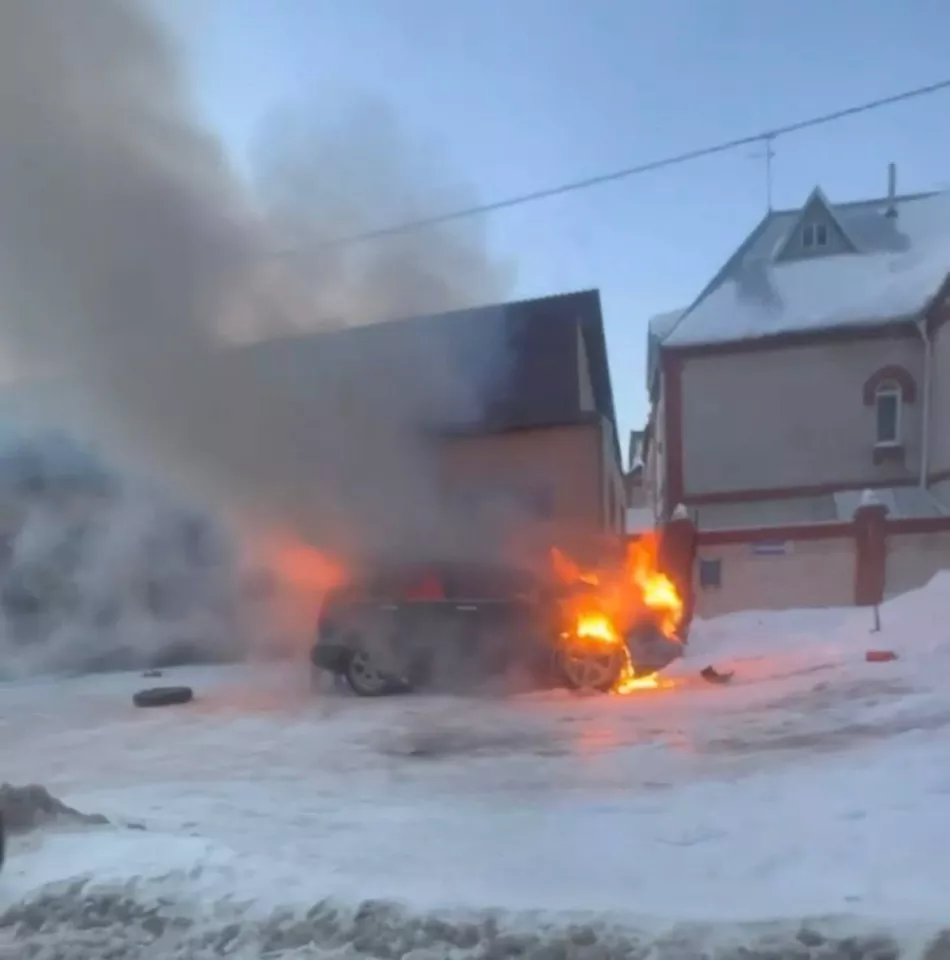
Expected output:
{"points": [[365, 678], [590, 667]]}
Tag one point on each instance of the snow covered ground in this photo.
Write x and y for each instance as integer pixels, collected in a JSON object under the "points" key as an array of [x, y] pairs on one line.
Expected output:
{"points": [[816, 785]]}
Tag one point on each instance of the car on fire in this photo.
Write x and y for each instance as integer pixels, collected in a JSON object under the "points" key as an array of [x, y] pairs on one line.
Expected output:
{"points": [[409, 626]]}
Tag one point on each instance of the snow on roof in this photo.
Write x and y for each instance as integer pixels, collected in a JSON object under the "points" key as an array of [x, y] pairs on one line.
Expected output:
{"points": [[662, 323], [900, 264], [901, 502], [658, 328]]}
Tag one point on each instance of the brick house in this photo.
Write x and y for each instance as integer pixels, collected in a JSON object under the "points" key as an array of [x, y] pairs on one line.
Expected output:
{"points": [[510, 402], [539, 431], [812, 368]]}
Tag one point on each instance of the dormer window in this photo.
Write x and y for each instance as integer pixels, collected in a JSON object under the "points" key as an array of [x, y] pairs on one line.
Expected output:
{"points": [[814, 236], [816, 231]]}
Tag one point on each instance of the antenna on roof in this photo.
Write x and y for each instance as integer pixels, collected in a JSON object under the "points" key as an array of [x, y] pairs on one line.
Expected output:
{"points": [[768, 153], [891, 191]]}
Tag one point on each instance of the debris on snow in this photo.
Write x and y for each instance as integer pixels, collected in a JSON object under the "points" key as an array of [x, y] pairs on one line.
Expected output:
{"points": [[32, 806]]}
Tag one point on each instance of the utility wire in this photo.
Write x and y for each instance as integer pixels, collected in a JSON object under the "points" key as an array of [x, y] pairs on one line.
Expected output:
{"points": [[768, 136]]}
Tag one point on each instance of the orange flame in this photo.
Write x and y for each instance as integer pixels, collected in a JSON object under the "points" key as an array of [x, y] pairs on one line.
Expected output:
{"points": [[302, 575], [567, 571], [659, 593], [617, 598], [304, 567]]}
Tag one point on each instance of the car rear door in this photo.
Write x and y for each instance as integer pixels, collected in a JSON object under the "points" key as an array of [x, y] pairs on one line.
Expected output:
{"points": [[494, 607]]}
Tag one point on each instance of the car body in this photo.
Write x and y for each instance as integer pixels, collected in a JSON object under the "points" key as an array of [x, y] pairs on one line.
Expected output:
{"points": [[447, 624]]}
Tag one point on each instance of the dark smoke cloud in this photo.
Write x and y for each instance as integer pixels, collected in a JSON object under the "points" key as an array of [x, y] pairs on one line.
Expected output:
{"points": [[129, 248]]}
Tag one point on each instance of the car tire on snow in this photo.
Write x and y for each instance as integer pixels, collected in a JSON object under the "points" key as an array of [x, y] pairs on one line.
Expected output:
{"points": [[589, 668], [365, 679], [163, 696]]}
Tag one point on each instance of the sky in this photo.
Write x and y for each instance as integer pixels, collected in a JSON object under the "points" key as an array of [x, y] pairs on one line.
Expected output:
{"points": [[519, 95]]}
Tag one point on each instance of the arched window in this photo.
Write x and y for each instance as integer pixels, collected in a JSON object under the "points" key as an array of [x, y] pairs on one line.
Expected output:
{"points": [[887, 390], [888, 400]]}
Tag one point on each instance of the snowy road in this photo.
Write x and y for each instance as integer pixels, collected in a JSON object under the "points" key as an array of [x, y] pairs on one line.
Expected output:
{"points": [[816, 784]]}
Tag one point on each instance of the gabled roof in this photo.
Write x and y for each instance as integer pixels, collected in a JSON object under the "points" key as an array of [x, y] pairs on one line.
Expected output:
{"points": [[816, 200], [505, 366], [898, 267]]}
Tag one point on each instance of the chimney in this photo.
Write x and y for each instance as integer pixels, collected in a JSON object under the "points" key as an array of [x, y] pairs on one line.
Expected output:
{"points": [[891, 210]]}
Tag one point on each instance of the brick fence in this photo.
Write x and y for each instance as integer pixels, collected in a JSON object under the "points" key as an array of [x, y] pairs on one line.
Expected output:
{"points": [[858, 562]]}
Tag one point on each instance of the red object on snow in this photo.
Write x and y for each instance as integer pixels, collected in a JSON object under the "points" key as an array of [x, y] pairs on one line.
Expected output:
{"points": [[880, 656]]}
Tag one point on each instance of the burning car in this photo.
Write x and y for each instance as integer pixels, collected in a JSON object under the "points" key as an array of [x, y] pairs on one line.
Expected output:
{"points": [[407, 626]]}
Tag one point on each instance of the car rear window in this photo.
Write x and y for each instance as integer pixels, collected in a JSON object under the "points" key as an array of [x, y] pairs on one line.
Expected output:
{"points": [[490, 583], [438, 582]]}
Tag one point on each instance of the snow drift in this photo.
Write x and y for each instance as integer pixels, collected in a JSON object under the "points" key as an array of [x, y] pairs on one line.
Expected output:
{"points": [[125, 922]]}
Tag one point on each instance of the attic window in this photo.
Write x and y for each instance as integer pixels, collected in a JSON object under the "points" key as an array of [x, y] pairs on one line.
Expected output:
{"points": [[814, 236]]}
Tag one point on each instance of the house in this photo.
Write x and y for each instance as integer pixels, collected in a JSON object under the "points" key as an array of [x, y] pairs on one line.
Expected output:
{"points": [[505, 409], [812, 368], [640, 515], [515, 402]]}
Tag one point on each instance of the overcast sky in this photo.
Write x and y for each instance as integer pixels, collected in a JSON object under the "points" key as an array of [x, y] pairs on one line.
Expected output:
{"points": [[521, 94]]}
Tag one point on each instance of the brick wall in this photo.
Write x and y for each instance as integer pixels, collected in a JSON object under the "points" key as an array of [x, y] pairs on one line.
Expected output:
{"points": [[860, 562]]}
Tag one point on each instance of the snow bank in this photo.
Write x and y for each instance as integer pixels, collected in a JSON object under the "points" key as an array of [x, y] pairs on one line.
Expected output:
{"points": [[915, 624], [124, 922]]}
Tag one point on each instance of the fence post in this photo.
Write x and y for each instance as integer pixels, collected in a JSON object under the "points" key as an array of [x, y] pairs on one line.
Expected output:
{"points": [[870, 551], [677, 558]]}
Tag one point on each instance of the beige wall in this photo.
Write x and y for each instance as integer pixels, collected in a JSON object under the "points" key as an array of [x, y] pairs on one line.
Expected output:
{"points": [[791, 417], [940, 401], [655, 467], [615, 494], [914, 558], [565, 460], [941, 490], [814, 573]]}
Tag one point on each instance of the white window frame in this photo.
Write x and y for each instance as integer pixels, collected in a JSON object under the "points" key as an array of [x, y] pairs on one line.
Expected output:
{"points": [[814, 235], [886, 390]]}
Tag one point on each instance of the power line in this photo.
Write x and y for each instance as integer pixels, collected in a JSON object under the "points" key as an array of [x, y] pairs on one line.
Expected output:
{"points": [[766, 136]]}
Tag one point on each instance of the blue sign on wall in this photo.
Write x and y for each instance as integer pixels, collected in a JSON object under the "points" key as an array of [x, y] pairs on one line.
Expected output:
{"points": [[771, 548]]}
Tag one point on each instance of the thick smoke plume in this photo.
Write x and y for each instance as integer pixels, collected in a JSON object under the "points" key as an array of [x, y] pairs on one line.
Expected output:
{"points": [[131, 254], [192, 325]]}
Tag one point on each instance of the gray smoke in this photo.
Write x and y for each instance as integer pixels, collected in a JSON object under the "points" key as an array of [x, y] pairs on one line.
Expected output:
{"points": [[131, 253]]}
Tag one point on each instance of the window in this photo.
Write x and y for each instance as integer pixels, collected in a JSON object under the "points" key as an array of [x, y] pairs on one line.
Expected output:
{"points": [[887, 410], [814, 235], [710, 573]]}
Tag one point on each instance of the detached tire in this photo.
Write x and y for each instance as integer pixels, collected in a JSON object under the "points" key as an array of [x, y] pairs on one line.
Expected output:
{"points": [[163, 696]]}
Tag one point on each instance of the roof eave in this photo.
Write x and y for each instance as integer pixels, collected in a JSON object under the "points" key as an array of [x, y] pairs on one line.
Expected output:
{"points": [[850, 331]]}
